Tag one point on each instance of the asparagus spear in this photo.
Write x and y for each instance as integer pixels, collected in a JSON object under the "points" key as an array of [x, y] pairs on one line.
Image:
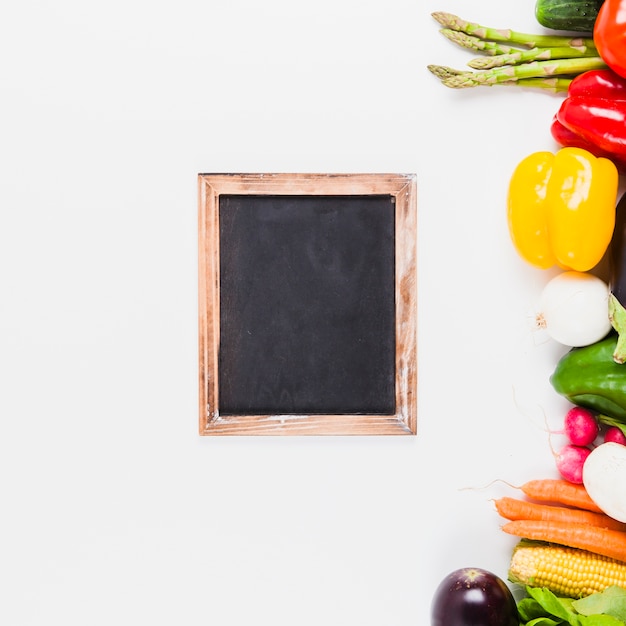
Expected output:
{"points": [[556, 84], [534, 69], [476, 43], [534, 54], [448, 20]]}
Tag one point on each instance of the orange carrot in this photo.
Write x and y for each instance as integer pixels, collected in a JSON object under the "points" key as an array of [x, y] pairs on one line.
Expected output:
{"points": [[560, 492], [514, 509], [611, 543]]}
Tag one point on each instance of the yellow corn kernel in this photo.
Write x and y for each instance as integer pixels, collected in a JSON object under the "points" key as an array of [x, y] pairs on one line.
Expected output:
{"points": [[567, 572]]}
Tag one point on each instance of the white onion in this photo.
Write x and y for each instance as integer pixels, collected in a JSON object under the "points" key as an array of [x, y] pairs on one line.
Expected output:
{"points": [[574, 309]]}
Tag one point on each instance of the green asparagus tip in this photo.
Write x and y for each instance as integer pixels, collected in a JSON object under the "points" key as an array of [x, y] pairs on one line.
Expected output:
{"points": [[448, 20], [490, 62], [443, 72], [461, 39], [461, 82]]}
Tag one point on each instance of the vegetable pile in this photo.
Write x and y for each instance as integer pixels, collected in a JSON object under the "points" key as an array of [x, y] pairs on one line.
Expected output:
{"points": [[564, 213]]}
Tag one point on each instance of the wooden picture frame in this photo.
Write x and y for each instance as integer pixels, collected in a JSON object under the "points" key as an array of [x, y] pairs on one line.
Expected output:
{"points": [[400, 191]]}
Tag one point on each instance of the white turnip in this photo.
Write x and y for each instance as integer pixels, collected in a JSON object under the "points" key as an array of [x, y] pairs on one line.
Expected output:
{"points": [[574, 309]]}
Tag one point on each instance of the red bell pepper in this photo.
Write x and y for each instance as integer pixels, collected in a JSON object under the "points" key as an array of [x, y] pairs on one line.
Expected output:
{"points": [[609, 34], [593, 116]]}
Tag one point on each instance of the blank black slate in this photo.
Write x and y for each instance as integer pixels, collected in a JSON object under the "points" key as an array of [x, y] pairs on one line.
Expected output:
{"points": [[307, 304]]}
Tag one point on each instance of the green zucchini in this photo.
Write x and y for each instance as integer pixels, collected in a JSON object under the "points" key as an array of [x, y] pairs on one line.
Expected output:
{"points": [[574, 15]]}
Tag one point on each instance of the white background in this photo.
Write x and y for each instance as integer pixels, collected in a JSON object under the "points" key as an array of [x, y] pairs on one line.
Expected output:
{"points": [[113, 509]]}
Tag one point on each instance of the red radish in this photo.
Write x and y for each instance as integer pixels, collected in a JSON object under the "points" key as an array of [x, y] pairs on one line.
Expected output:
{"points": [[615, 434], [570, 461], [581, 426]]}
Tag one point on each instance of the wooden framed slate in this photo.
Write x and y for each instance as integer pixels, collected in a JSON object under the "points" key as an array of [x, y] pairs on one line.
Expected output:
{"points": [[307, 304]]}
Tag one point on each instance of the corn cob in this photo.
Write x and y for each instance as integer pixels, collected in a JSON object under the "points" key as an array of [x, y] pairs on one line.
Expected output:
{"points": [[567, 572]]}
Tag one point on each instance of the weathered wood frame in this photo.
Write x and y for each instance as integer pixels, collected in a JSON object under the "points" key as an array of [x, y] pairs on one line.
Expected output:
{"points": [[403, 188]]}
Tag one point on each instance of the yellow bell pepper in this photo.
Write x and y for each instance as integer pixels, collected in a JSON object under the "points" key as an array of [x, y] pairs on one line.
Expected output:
{"points": [[561, 208]]}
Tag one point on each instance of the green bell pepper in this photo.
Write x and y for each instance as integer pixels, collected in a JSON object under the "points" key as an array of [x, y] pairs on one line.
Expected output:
{"points": [[590, 377]]}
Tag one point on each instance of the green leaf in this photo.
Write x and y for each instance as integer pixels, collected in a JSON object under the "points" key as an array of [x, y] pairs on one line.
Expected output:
{"points": [[611, 602], [557, 607], [529, 609]]}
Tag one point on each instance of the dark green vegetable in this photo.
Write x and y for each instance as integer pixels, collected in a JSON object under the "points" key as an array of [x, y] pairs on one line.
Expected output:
{"points": [[574, 15], [590, 377]]}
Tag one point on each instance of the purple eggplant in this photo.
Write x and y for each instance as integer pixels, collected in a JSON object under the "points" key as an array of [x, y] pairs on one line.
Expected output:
{"points": [[473, 597]]}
